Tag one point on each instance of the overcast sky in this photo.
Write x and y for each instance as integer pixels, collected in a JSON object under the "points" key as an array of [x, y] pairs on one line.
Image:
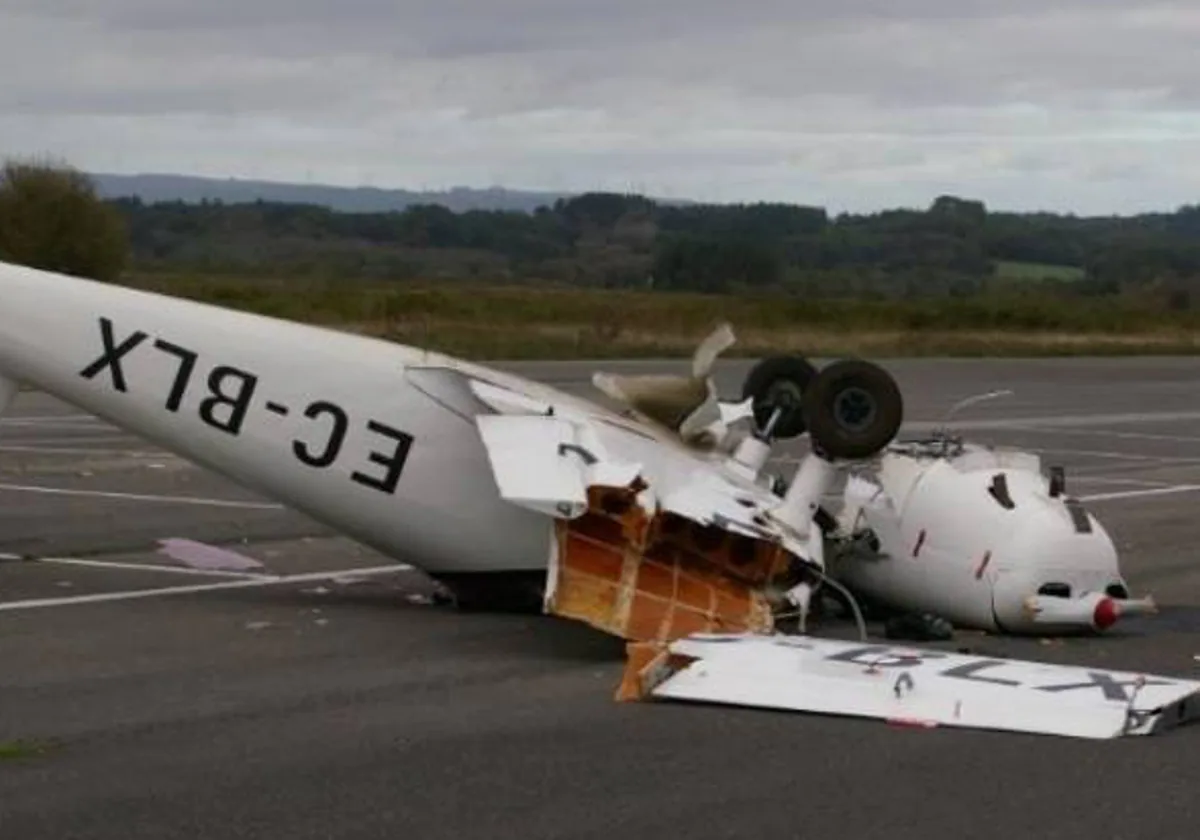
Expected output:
{"points": [[1073, 105]]}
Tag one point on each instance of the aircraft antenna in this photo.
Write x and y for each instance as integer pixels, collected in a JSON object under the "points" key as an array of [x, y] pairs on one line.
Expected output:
{"points": [[978, 398], [942, 435]]}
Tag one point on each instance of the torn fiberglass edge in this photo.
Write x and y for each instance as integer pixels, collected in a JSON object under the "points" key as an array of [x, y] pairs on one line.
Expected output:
{"points": [[656, 577]]}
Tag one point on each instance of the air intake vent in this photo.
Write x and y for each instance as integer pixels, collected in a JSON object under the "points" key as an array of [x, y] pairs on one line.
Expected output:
{"points": [[1058, 482], [1055, 590], [1079, 517], [999, 491]]}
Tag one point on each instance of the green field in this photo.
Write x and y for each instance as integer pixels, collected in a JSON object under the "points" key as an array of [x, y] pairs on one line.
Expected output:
{"points": [[513, 322], [1008, 270]]}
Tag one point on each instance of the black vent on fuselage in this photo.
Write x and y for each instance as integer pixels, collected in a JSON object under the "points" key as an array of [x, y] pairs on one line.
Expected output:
{"points": [[1079, 517], [1055, 590], [998, 490]]}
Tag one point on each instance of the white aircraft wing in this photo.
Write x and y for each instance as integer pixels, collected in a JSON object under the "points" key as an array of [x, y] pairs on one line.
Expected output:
{"points": [[919, 686]]}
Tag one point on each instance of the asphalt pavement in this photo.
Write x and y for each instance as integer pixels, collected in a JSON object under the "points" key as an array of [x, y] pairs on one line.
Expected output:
{"points": [[353, 708]]}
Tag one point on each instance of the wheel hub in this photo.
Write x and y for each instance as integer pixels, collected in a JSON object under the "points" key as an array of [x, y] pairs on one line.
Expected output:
{"points": [[855, 408]]}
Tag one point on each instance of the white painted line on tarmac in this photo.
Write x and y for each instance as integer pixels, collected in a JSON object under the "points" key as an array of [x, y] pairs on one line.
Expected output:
{"points": [[1115, 456], [75, 435], [1112, 479], [1039, 429], [1137, 494], [1059, 420], [97, 441], [42, 419], [107, 597], [79, 450], [141, 497], [154, 567]]}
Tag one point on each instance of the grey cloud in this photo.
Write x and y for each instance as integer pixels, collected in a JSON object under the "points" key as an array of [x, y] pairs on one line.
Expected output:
{"points": [[530, 54], [874, 97]]}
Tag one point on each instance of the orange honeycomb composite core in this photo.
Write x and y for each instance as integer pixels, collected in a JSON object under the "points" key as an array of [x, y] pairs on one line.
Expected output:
{"points": [[658, 577]]}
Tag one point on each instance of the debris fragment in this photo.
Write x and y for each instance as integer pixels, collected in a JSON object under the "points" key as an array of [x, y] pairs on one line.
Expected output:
{"points": [[257, 625], [646, 665], [199, 555]]}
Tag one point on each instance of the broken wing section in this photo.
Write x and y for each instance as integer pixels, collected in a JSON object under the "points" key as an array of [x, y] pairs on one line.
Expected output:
{"points": [[642, 565], [912, 686], [547, 463]]}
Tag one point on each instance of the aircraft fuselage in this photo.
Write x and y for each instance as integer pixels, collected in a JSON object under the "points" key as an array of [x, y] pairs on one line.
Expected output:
{"points": [[334, 425]]}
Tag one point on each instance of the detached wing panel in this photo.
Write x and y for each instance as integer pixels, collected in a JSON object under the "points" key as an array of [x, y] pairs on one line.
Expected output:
{"points": [[926, 687]]}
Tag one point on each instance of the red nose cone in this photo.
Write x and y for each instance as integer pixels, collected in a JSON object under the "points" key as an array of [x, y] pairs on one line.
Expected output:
{"points": [[1106, 614]]}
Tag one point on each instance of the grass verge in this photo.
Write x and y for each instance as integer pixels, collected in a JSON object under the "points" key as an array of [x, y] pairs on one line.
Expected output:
{"points": [[515, 322], [16, 750]]}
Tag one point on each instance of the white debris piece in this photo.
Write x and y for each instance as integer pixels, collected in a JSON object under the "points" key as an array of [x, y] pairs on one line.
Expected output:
{"points": [[199, 555]]}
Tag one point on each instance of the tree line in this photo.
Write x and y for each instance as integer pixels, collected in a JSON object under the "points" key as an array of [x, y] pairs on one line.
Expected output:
{"points": [[954, 247]]}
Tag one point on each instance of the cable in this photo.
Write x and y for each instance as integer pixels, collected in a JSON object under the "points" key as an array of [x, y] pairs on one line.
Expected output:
{"points": [[850, 599], [858, 616]]}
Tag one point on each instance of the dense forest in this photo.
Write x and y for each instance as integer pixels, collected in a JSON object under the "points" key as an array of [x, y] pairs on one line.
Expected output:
{"points": [[954, 247]]}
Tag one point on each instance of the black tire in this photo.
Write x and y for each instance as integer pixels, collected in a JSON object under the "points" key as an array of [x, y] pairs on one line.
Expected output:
{"points": [[780, 382], [853, 409]]}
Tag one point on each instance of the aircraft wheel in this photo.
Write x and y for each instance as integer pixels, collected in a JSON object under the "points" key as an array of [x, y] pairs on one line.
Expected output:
{"points": [[779, 382], [853, 409]]}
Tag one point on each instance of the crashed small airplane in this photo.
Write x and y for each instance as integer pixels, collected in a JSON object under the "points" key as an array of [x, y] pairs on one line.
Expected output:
{"points": [[655, 523]]}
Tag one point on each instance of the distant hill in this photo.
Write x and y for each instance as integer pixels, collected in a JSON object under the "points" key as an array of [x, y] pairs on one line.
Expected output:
{"points": [[192, 190]]}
